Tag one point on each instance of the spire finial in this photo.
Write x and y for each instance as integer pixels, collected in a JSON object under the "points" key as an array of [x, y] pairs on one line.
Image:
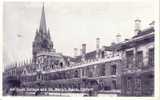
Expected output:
{"points": [[42, 26], [43, 4]]}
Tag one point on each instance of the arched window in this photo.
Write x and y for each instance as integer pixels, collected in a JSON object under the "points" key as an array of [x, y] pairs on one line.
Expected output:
{"points": [[52, 66], [113, 69], [76, 74], [39, 76], [61, 64]]}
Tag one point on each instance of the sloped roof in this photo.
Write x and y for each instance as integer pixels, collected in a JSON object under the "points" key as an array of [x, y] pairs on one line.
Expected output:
{"points": [[145, 31]]}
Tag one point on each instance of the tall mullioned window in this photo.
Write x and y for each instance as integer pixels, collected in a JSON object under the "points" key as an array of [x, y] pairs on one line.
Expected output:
{"points": [[76, 74], [102, 70], [151, 57], [114, 84], [129, 58], [139, 59], [113, 69], [129, 86], [137, 86], [83, 72], [90, 72]]}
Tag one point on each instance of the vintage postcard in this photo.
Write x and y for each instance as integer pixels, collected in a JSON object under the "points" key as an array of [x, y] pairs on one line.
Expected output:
{"points": [[85, 49]]}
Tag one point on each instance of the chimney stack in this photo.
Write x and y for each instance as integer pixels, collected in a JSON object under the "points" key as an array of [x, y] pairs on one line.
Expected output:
{"points": [[118, 38], [137, 26], [80, 51], [83, 48], [97, 43], [97, 47], [75, 52], [83, 51]]}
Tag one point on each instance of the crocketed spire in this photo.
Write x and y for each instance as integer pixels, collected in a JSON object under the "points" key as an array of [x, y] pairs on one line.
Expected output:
{"points": [[43, 27]]}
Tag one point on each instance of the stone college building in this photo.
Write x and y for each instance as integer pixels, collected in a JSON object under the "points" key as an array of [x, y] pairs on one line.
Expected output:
{"points": [[125, 68]]}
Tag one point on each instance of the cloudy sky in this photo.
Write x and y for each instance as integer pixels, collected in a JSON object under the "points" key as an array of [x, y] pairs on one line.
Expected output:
{"points": [[70, 24]]}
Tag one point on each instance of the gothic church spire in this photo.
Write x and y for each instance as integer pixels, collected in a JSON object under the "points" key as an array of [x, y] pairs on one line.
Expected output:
{"points": [[42, 41], [43, 27]]}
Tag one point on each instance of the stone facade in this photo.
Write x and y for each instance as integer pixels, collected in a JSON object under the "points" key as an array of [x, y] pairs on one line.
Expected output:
{"points": [[127, 66], [138, 72]]}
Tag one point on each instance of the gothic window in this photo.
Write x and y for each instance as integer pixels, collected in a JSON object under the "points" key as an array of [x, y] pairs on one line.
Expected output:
{"points": [[39, 76], [24, 72], [52, 66], [76, 74], [68, 62], [61, 64], [139, 59], [151, 57], [44, 44], [113, 69], [44, 68], [56, 62]]}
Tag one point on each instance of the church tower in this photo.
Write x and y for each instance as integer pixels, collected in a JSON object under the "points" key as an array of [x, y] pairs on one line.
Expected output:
{"points": [[42, 41]]}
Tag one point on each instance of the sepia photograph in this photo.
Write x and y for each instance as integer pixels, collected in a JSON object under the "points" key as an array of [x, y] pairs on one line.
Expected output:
{"points": [[85, 49]]}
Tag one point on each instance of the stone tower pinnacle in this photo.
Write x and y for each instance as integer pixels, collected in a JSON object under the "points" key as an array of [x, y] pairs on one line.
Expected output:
{"points": [[42, 41], [43, 26]]}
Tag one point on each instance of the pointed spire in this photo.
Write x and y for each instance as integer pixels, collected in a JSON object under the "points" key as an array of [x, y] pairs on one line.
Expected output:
{"points": [[36, 31], [49, 34], [42, 26]]}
